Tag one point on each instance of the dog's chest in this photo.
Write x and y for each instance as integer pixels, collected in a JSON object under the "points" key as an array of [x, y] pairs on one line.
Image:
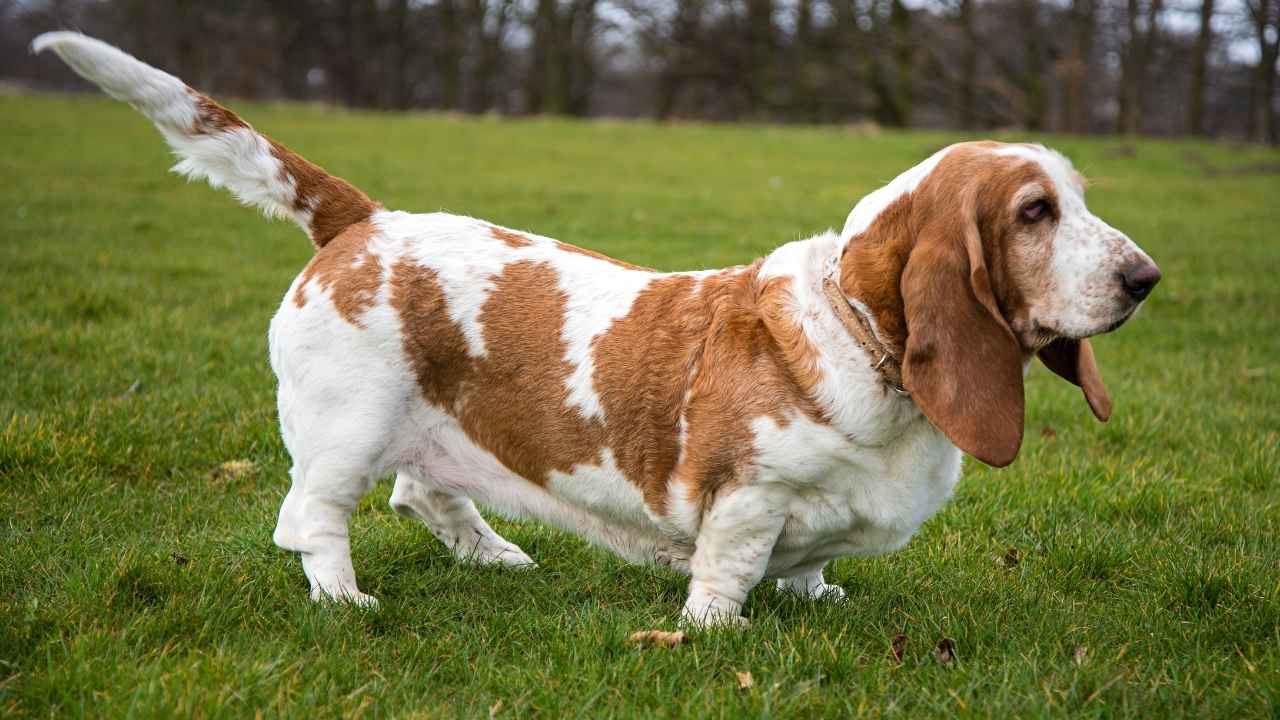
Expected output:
{"points": [[842, 498]]}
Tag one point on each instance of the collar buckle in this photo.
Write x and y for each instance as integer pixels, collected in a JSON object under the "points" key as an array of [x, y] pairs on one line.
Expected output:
{"points": [[860, 328]]}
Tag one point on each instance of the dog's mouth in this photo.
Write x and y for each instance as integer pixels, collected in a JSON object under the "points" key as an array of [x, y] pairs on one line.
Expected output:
{"points": [[1124, 318], [1040, 336]]}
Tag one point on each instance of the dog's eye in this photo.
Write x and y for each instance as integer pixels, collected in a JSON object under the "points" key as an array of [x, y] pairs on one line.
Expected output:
{"points": [[1035, 211]]}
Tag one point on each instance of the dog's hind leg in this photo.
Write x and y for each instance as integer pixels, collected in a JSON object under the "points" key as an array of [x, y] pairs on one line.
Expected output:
{"points": [[454, 520], [810, 584], [313, 523], [336, 460]]}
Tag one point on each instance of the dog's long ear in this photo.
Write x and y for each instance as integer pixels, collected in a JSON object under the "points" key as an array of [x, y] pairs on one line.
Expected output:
{"points": [[1073, 360], [963, 364]]}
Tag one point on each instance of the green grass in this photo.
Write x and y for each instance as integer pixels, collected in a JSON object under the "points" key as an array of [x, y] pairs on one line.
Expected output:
{"points": [[133, 316]]}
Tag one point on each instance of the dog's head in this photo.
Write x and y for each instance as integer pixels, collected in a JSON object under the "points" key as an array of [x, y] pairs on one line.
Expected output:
{"points": [[1000, 259]]}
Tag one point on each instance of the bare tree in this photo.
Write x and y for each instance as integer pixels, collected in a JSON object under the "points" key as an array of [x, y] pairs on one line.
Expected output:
{"points": [[894, 61], [1035, 96], [1265, 15], [890, 61], [1200, 69], [1076, 93], [562, 59], [677, 49], [1135, 63], [489, 21], [967, 19]]}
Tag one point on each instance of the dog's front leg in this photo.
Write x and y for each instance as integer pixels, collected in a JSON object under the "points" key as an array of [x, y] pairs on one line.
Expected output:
{"points": [[733, 549]]}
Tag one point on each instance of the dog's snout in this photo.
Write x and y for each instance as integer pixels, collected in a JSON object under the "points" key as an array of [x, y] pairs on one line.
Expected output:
{"points": [[1140, 278]]}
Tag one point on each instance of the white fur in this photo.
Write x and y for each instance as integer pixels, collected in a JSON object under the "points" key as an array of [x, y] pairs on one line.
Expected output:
{"points": [[238, 159]]}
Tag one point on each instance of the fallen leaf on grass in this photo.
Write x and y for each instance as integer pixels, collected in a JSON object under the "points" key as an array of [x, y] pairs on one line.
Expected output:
{"points": [[945, 651], [234, 470], [898, 646], [658, 638], [1010, 558], [745, 681]]}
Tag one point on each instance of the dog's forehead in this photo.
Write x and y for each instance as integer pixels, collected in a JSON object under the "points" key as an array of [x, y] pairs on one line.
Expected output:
{"points": [[1056, 166]]}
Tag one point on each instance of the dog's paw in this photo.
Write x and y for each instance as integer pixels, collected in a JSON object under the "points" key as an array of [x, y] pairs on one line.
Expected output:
{"points": [[706, 613], [713, 621], [827, 591], [514, 558], [497, 552], [344, 596], [813, 590]]}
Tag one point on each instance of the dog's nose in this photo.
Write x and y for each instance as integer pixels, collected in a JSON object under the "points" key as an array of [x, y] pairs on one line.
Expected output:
{"points": [[1140, 278]]}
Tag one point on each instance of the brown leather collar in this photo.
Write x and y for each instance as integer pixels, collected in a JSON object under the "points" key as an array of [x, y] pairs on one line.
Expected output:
{"points": [[858, 326]]}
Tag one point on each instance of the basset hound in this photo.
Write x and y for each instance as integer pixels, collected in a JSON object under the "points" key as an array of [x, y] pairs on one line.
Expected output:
{"points": [[740, 424]]}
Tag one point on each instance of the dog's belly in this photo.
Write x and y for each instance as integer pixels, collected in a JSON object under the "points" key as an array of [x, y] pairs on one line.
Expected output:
{"points": [[859, 502], [596, 502]]}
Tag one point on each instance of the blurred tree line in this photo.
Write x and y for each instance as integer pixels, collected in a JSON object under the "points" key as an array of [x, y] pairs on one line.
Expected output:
{"points": [[1163, 67]]}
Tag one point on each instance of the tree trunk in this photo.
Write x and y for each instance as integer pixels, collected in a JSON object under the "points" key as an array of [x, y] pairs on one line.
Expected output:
{"points": [[1269, 62], [489, 51], [1262, 125], [1035, 99], [451, 44], [679, 54], [1199, 70], [401, 54], [539, 90], [1077, 101], [968, 67], [804, 99], [1128, 71], [759, 46], [904, 60], [578, 70], [1147, 51]]}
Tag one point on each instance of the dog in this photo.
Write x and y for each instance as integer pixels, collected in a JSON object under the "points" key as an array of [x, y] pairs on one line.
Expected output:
{"points": [[740, 424]]}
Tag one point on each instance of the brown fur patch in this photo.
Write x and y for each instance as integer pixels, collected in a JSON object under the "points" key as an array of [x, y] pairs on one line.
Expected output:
{"points": [[704, 351], [212, 117], [511, 238], [643, 367], [514, 401], [334, 203], [598, 256], [800, 355], [347, 270], [871, 270], [697, 349]]}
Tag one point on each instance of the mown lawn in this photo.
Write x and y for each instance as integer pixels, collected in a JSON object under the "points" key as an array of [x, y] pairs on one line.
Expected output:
{"points": [[1127, 569]]}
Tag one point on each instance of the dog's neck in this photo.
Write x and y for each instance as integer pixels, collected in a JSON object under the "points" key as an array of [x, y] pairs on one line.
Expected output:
{"points": [[869, 270]]}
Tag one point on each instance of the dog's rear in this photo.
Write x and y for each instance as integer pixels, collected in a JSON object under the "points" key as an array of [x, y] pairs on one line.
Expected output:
{"points": [[214, 144]]}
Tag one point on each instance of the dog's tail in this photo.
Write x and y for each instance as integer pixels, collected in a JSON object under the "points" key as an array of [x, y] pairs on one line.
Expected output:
{"points": [[213, 143]]}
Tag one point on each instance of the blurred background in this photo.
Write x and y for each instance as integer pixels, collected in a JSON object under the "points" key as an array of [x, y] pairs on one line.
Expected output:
{"points": [[1148, 67]]}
